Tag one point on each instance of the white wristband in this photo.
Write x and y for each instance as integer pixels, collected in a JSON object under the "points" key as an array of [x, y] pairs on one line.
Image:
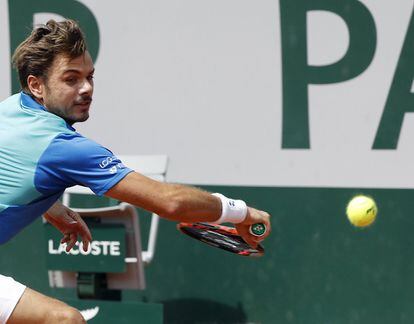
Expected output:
{"points": [[232, 211]]}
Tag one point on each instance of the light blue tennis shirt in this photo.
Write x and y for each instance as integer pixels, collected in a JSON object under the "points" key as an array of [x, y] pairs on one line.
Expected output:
{"points": [[40, 156]]}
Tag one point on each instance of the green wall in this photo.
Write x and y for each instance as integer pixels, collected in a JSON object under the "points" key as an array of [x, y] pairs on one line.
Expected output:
{"points": [[317, 267]]}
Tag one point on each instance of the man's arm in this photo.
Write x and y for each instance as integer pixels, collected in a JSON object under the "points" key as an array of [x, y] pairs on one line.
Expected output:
{"points": [[181, 203], [171, 201]]}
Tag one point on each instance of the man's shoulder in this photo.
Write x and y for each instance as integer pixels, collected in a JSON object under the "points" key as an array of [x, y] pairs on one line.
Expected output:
{"points": [[74, 139], [12, 101], [25, 119], [74, 146]]}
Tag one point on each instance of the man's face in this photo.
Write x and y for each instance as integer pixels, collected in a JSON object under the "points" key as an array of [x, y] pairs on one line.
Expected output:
{"points": [[68, 89]]}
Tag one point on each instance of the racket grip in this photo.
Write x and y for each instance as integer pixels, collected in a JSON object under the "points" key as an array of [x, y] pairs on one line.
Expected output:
{"points": [[258, 229]]}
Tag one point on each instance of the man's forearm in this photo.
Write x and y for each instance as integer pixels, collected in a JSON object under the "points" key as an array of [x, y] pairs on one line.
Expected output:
{"points": [[171, 201]]}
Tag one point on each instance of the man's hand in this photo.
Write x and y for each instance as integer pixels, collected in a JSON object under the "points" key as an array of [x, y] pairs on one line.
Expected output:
{"points": [[253, 216], [70, 224]]}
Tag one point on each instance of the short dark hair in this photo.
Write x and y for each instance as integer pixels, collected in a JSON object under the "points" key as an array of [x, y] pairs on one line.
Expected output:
{"points": [[36, 53]]}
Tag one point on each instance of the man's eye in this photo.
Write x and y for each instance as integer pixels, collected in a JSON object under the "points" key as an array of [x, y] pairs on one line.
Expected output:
{"points": [[70, 80], [90, 78]]}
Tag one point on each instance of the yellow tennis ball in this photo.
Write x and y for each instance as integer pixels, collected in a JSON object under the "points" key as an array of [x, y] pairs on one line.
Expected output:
{"points": [[361, 211]]}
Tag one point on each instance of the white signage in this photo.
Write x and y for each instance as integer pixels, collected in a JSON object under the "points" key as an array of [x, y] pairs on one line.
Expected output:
{"points": [[208, 83], [96, 248]]}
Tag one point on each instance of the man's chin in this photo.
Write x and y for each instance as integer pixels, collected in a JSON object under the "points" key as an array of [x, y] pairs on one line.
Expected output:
{"points": [[78, 119], [82, 118]]}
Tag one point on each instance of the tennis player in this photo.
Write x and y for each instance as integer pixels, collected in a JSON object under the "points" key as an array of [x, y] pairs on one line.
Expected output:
{"points": [[41, 154]]}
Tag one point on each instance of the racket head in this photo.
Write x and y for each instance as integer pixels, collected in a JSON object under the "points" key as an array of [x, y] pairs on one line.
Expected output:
{"points": [[222, 237]]}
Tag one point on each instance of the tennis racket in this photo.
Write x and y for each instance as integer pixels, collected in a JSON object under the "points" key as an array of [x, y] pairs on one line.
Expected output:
{"points": [[222, 237]]}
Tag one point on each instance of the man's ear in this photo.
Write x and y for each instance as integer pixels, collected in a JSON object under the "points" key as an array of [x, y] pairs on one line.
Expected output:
{"points": [[36, 86]]}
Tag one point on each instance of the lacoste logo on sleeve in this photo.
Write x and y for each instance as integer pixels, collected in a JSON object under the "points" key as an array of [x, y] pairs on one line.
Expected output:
{"points": [[107, 161]]}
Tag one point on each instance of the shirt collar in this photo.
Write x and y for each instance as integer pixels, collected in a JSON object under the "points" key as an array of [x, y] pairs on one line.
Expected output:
{"points": [[28, 102]]}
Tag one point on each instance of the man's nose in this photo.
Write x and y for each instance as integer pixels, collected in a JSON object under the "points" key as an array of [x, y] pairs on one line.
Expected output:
{"points": [[87, 87]]}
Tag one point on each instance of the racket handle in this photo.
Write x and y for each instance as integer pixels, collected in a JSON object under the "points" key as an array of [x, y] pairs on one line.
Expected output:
{"points": [[258, 229]]}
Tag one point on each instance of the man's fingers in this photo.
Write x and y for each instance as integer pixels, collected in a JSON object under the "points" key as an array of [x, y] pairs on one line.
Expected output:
{"points": [[252, 243], [250, 239], [256, 216], [65, 238], [85, 244], [82, 227], [72, 241], [78, 227], [85, 233]]}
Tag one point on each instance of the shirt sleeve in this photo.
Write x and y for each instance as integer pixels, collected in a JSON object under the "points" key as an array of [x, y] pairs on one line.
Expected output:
{"points": [[72, 159]]}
